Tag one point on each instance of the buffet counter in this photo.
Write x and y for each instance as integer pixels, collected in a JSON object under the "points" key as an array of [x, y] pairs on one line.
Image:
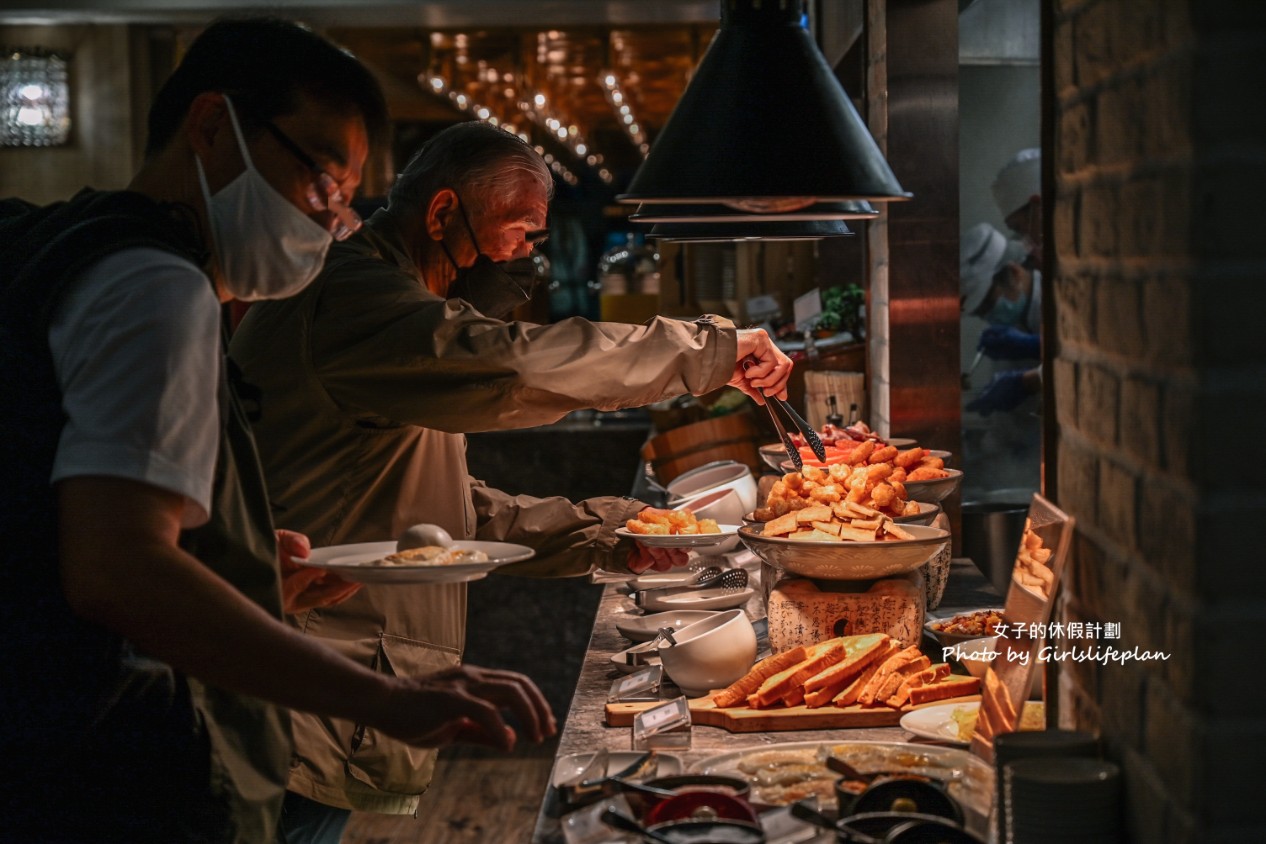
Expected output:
{"points": [[585, 731]]}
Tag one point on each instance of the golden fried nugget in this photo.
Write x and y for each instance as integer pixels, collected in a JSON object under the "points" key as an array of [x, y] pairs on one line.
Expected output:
{"points": [[882, 455], [646, 528], [911, 457]]}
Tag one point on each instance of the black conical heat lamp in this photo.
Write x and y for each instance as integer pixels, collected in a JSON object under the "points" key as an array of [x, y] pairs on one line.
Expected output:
{"points": [[764, 126]]}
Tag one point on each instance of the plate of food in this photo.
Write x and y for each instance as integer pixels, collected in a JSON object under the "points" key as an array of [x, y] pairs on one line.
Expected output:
{"points": [[782, 774], [966, 625], [382, 562], [955, 722], [809, 550], [723, 533]]}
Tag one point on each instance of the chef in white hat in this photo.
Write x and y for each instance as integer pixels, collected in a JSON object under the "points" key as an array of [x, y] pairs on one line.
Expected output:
{"points": [[1018, 191], [996, 286]]}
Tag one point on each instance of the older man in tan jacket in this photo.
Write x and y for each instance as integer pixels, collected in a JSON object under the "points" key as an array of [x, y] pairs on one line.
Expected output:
{"points": [[369, 380]]}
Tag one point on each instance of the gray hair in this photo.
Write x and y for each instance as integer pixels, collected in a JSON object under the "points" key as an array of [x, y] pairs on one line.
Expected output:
{"points": [[471, 158]]}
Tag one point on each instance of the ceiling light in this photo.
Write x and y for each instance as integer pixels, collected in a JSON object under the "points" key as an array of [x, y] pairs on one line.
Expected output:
{"points": [[719, 213], [725, 232], [34, 99], [763, 118]]}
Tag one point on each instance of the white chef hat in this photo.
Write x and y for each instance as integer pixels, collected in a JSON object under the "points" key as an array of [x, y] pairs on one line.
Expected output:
{"points": [[1019, 179], [982, 252]]}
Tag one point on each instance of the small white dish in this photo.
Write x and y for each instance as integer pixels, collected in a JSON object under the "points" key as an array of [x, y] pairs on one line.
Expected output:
{"points": [[356, 562], [698, 599], [643, 628], [937, 723], [720, 474], [569, 767], [680, 540]]}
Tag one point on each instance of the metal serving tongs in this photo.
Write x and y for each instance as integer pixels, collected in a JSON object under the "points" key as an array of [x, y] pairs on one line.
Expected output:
{"points": [[810, 435], [727, 580], [593, 782]]}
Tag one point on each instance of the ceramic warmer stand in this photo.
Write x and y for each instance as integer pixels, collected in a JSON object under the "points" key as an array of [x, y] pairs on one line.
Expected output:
{"points": [[801, 611]]}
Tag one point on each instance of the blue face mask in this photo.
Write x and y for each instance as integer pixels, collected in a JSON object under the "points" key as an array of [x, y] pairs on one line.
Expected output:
{"points": [[1005, 312]]}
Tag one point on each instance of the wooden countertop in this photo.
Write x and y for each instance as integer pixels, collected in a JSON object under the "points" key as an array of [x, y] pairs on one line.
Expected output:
{"points": [[585, 731]]}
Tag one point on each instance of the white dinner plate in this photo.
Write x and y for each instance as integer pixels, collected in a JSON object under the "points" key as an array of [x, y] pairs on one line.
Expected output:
{"points": [[355, 562], [697, 599], [680, 540], [570, 766], [937, 722], [643, 628]]}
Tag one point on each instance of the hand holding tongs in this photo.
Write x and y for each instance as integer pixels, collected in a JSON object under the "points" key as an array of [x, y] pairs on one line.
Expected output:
{"points": [[815, 442]]}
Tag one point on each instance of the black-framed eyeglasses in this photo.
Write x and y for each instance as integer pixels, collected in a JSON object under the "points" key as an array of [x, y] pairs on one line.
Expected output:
{"points": [[323, 192]]}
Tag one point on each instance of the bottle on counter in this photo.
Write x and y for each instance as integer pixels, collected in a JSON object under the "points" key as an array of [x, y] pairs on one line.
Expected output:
{"points": [[628, 274], [833, 416]]}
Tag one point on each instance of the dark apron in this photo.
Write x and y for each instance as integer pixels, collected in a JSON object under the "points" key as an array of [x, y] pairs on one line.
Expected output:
{"points": [[249, 738]]}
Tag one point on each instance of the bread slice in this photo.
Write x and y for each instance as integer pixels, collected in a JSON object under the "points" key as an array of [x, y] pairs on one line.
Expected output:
{"points": [[737, 692], [828, 527], [784, 524], [813, 513], [892, 664], [955, 686], [853, 689], [819, 689], [920, 672], [863, 650], [914, 666], [786, 682]]}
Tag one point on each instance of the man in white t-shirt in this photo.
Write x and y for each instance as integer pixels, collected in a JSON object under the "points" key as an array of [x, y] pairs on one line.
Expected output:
{"points": [[146, 666]]}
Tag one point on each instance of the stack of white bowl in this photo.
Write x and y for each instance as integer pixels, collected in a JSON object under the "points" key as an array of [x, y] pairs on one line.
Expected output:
{"points": [[713, 477]]}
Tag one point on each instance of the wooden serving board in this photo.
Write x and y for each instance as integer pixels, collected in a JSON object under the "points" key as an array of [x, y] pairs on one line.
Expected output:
{"points": [[704, 713]]}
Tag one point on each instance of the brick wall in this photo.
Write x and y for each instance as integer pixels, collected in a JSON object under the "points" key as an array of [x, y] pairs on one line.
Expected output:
{"points": [[1157, 379]]}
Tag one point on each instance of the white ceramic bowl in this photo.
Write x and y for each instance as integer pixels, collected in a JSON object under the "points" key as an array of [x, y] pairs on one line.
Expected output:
{"points": [[643, 628], [727, 474], [935, 490], [723, 505], [928, 511], [710, 654], [846, 560], [974, 655]]}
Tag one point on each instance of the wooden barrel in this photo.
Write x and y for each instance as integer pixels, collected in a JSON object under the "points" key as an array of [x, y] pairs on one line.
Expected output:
{"points": [[730, 437]]}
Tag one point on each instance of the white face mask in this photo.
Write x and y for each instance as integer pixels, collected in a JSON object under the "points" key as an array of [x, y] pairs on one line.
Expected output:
{"points": [[267, 248]]}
